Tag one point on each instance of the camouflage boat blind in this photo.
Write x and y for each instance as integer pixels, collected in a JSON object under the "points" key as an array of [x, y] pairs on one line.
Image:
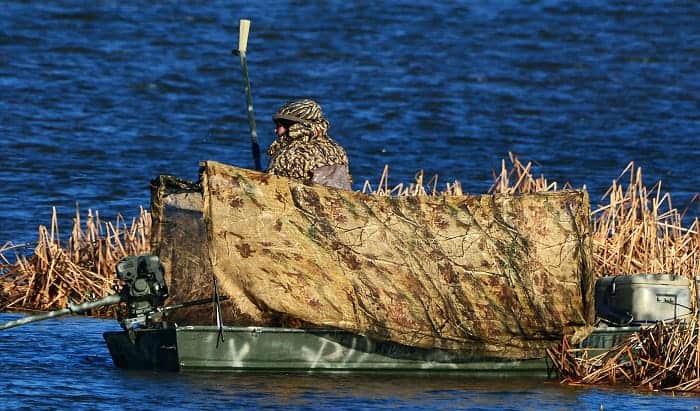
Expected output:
{"points": [[500, 276], [179, 238]]}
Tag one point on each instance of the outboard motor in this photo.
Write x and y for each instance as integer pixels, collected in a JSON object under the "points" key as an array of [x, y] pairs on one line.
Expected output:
{"points": [[144, 289]]}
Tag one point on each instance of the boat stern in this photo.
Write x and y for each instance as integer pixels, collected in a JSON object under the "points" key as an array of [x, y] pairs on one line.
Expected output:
{"points": [[145, 349]]}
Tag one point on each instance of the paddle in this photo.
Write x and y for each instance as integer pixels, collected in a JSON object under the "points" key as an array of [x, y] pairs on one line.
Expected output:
{"points": [[241, 52]]}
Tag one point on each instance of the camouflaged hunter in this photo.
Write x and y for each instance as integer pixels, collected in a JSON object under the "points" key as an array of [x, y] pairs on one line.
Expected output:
{"points": [[303, 149]]}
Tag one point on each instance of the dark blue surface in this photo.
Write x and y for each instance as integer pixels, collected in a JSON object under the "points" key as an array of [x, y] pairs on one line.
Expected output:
{"points": [[97, 98], [64, 364]]}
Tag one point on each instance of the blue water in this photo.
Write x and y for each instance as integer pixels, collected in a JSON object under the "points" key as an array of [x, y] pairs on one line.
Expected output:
{"points": [[97, 98], [64, 363]]}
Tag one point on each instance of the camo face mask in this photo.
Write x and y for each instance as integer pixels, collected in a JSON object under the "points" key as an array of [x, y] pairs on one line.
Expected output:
{"points": [[306, 144]]}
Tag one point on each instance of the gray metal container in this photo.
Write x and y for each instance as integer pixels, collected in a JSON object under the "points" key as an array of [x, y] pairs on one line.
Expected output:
{"points": [[642, 298]]}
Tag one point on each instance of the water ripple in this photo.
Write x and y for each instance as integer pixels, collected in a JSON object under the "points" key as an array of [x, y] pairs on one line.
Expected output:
{"points": [[95, 100]]}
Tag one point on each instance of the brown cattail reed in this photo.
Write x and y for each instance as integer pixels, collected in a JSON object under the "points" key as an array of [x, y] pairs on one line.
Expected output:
{"points": [[82, 270], [663, 357]]}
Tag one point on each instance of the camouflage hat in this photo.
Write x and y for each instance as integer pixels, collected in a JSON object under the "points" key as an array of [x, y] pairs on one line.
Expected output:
{"points": [[300, 111]]}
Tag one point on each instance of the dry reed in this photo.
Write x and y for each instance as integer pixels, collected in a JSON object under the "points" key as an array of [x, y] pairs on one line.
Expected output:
{"points": [[665, 356], [81, 270], [518, 179], [418, 188], [639, 231]]}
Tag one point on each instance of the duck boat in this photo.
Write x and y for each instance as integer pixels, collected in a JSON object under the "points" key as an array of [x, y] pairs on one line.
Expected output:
{"points": [[321, 279], [264, 273]]}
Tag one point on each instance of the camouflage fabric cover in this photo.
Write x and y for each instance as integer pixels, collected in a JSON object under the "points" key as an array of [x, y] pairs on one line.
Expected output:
{"points": [[306, 146], [495, 275], [179, 238]]}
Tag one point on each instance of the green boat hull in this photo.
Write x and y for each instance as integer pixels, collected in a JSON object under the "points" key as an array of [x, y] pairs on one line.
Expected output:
{"points": [[267, 349]]}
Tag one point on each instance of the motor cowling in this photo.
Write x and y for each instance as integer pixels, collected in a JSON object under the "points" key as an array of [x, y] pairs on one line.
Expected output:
{"points": [[143, 290]]}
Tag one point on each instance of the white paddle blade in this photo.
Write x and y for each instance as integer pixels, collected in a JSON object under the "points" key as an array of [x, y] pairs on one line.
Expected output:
{"points": [[243, 36]]}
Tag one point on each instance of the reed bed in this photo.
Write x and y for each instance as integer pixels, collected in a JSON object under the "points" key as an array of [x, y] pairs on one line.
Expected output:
{"points": [[517, 178], [664, 357], [639, 231], [78, 269], [420, 187]]}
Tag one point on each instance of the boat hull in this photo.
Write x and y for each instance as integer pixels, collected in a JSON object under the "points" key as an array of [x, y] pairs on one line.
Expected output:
{"points": [[270, 349]]}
